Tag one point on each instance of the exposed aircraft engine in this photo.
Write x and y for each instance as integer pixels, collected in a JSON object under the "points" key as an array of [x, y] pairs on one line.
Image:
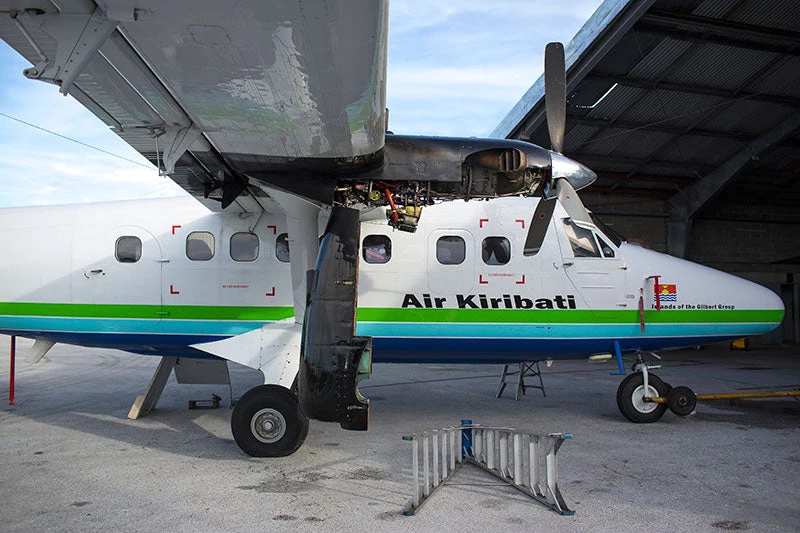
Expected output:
{"points": [[419, 171]]}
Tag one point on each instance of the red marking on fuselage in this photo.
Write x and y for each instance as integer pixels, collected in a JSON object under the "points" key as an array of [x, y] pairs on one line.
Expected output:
{"points": [[521, 222], [173, 291], [522, 281], [658, 295], [481, 221], [274, 229], [481, 280], [271, 293], [174, 227]]}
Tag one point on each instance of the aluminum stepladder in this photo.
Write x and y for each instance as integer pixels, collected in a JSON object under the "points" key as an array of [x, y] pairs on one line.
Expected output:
{"points": [[522, 459]]}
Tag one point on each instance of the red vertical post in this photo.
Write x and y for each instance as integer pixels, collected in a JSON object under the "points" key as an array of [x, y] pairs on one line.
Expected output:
{"points": [[13, 356], [656, 292]]}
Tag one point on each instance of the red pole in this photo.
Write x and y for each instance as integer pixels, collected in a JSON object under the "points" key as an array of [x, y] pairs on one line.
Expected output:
{"points": [[13, 356]]}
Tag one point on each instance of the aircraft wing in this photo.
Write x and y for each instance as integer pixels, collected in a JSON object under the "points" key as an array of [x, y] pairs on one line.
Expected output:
{"points": [[219, 94]]}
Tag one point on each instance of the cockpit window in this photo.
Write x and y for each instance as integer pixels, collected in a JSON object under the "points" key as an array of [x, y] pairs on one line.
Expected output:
{"points": [[581, 240], [607, 250], [614, 236]]}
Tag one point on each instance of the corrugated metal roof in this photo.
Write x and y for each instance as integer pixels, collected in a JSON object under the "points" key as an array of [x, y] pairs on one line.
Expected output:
{"points": [[698, 83]]}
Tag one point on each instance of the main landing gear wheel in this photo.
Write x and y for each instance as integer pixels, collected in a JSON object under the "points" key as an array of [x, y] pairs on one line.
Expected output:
{"points": [[681, 401], [630, 398], [267, 422]]}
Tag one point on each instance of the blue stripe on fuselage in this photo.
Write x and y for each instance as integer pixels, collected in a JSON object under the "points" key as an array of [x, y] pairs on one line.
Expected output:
{"points": [[396, 350]]}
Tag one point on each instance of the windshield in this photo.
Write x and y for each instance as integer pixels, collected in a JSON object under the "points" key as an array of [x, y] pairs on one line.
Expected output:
{"points": [[615, 237]]}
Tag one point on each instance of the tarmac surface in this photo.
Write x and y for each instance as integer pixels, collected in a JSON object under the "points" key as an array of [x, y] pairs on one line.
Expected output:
{"points": [[70, 460]]}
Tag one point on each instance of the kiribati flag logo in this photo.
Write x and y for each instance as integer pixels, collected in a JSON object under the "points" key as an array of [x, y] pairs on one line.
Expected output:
{"points": [[667, 292]]}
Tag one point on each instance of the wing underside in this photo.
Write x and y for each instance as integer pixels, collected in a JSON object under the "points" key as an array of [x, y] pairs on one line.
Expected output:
{"points": [[218, 94]]}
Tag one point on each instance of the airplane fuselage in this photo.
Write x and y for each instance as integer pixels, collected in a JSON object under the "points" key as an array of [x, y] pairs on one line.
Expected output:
{"points": [[157, 276]]}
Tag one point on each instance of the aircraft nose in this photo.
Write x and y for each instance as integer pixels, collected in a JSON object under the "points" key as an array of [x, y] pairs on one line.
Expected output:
{"points": [[764, 305], [773, 302], [761, 297]]}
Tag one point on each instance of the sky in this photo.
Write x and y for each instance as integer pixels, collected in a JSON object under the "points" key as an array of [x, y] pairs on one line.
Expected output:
{"points": [[455, 70]]}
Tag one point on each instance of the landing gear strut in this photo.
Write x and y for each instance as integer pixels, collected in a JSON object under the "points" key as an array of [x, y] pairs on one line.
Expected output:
{"points": [[267, 422]]}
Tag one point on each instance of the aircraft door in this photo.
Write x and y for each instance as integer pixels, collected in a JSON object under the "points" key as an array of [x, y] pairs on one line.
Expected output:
{"points": [[127, 270], [451, 261], [594, 266]]}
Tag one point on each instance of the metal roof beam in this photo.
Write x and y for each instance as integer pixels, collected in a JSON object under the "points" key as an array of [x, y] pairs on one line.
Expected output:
{"points": [[655, 178], [692, 199], [661, 194], [702, 37], [599, 162], [658, 128], [641, 83], [721, 27]]}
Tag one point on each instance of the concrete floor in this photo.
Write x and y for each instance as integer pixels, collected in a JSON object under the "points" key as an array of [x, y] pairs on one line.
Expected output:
{"points": [[71, 460]]}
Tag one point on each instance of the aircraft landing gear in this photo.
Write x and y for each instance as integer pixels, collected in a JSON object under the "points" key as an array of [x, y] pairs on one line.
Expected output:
{"points": [[267, 422], [630, 398], [632, 391]]}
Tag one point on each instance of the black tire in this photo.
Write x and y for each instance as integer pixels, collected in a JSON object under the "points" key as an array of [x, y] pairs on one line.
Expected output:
{"points": [[630, 394], [267, 422], [681, 401]]}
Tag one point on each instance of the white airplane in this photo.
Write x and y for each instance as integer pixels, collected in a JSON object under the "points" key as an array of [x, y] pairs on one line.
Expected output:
{"points": [[273, 116]]}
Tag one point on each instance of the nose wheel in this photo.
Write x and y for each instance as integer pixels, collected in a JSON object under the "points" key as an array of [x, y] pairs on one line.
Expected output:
{"points": [[267, 422], [631, 394]]}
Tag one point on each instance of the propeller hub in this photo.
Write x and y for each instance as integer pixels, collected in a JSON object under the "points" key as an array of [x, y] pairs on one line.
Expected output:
{"points": [[578, 175]]}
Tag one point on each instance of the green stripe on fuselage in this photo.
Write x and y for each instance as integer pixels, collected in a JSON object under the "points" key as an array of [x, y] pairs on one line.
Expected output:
{"points": [[388, 314], [565, 316], [166, 312]]}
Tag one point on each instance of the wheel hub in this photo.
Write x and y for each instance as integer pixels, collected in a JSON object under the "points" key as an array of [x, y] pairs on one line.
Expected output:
{"points": [[268, 425], [638, 399]]}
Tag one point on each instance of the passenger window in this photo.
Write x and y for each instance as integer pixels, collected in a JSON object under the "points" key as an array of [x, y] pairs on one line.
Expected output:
{"points": [[581, 240], [608, 251], [496, 251], [128, 249], [451, 250], [282, 248], [200, 246], [244, 246], [377, 249]]}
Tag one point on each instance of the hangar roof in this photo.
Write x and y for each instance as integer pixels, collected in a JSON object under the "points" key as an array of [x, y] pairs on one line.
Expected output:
{"points": [[684, 100]]}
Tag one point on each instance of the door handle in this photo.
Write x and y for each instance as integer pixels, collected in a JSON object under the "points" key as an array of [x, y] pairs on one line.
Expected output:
{"points": [[96, 271], [568, 264]]}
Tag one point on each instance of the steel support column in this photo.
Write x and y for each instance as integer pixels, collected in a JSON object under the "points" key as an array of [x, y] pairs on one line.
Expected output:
{"points": [[684, 206]]}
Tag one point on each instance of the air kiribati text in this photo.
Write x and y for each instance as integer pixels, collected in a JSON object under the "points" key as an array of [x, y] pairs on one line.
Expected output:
{"points": [[482, 301]]}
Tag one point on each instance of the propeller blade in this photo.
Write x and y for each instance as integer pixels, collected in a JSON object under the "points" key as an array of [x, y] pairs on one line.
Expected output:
{"points": [[537, 229], [572, 202], [555, 94]]}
